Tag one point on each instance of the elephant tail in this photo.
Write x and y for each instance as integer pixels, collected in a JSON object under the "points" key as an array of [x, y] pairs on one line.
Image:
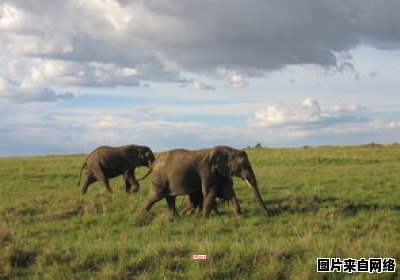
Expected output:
{"points": [[145, 176], [80, 172]]}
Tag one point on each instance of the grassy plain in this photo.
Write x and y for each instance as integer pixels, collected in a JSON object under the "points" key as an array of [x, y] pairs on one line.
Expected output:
{"points": [[327, 202]]}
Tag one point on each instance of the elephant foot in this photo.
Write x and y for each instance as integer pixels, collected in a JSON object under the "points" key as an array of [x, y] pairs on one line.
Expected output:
{"points": [[175, 214], [135, 190]]}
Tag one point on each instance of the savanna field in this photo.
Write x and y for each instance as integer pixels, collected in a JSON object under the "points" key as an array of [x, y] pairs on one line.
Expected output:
{"points": [[327, 202]]}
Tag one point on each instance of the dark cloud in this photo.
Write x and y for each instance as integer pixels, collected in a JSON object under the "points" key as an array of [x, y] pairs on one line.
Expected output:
{"points": [[14, 93], [161, 39], [261, 33], [270, 34]]}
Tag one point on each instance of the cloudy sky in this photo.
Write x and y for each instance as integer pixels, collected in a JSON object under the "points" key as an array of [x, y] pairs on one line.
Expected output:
{"points": [[76, 74]]}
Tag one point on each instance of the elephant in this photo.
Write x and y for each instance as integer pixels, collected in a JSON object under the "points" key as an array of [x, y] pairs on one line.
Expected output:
{"points": [[106, 162], [225, 192], [183, 172]]}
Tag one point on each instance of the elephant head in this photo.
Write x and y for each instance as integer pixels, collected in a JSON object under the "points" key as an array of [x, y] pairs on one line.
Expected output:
{"points": [[145, 157], [235, 163]]}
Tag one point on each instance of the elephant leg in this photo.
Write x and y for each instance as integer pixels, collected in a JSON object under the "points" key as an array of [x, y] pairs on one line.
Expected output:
{"points": [[196, 202], [133, 180], [187, 205], [107, 185], [214, 207], [199, 204], [208, 200], [155, 195], [102, 178], [135, 183], [229, 195], [128, 184], [235, 206], [129, 181], [172, 205], [87, 181]]}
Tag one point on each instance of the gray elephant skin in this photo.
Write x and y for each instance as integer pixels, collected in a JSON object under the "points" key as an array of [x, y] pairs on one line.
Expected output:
{"points": [[225, 191], [106, 162], [183, 172]]}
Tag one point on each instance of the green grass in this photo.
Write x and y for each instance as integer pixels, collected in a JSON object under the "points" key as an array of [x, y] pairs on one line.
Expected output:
{"points": [[328, 202]]}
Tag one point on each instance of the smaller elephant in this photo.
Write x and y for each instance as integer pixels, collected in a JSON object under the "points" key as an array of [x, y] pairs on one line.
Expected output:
{"points": [[105, 162], [225, 192]]}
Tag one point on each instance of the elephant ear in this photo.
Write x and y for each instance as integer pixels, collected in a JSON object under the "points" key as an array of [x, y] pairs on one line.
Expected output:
{"points": [[218, 161], [133, 157], [143, 155]]}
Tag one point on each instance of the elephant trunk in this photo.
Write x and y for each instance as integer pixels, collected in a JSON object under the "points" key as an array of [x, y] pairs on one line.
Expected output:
{"points": [[250, 179], [257, 196], [147, 174]]}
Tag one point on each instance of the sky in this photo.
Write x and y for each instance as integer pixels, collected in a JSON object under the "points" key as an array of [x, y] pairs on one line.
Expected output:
{"points": [[76, 74]]}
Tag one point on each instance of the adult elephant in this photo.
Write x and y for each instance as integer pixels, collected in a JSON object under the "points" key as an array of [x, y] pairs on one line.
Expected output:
{"points": [[182, 172], [107, 162], [225, 192]]}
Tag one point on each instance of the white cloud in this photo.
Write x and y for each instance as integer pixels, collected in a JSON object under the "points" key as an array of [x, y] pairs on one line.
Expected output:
{"points": [[23, 75], [355, 107], [307, 112], [308, 123], [385, 124], [10, 16], [198, 85], [50, 128], [112, 11], [107, 121], [37, 44], [80, 130], [128, 72], [238, 81]]}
